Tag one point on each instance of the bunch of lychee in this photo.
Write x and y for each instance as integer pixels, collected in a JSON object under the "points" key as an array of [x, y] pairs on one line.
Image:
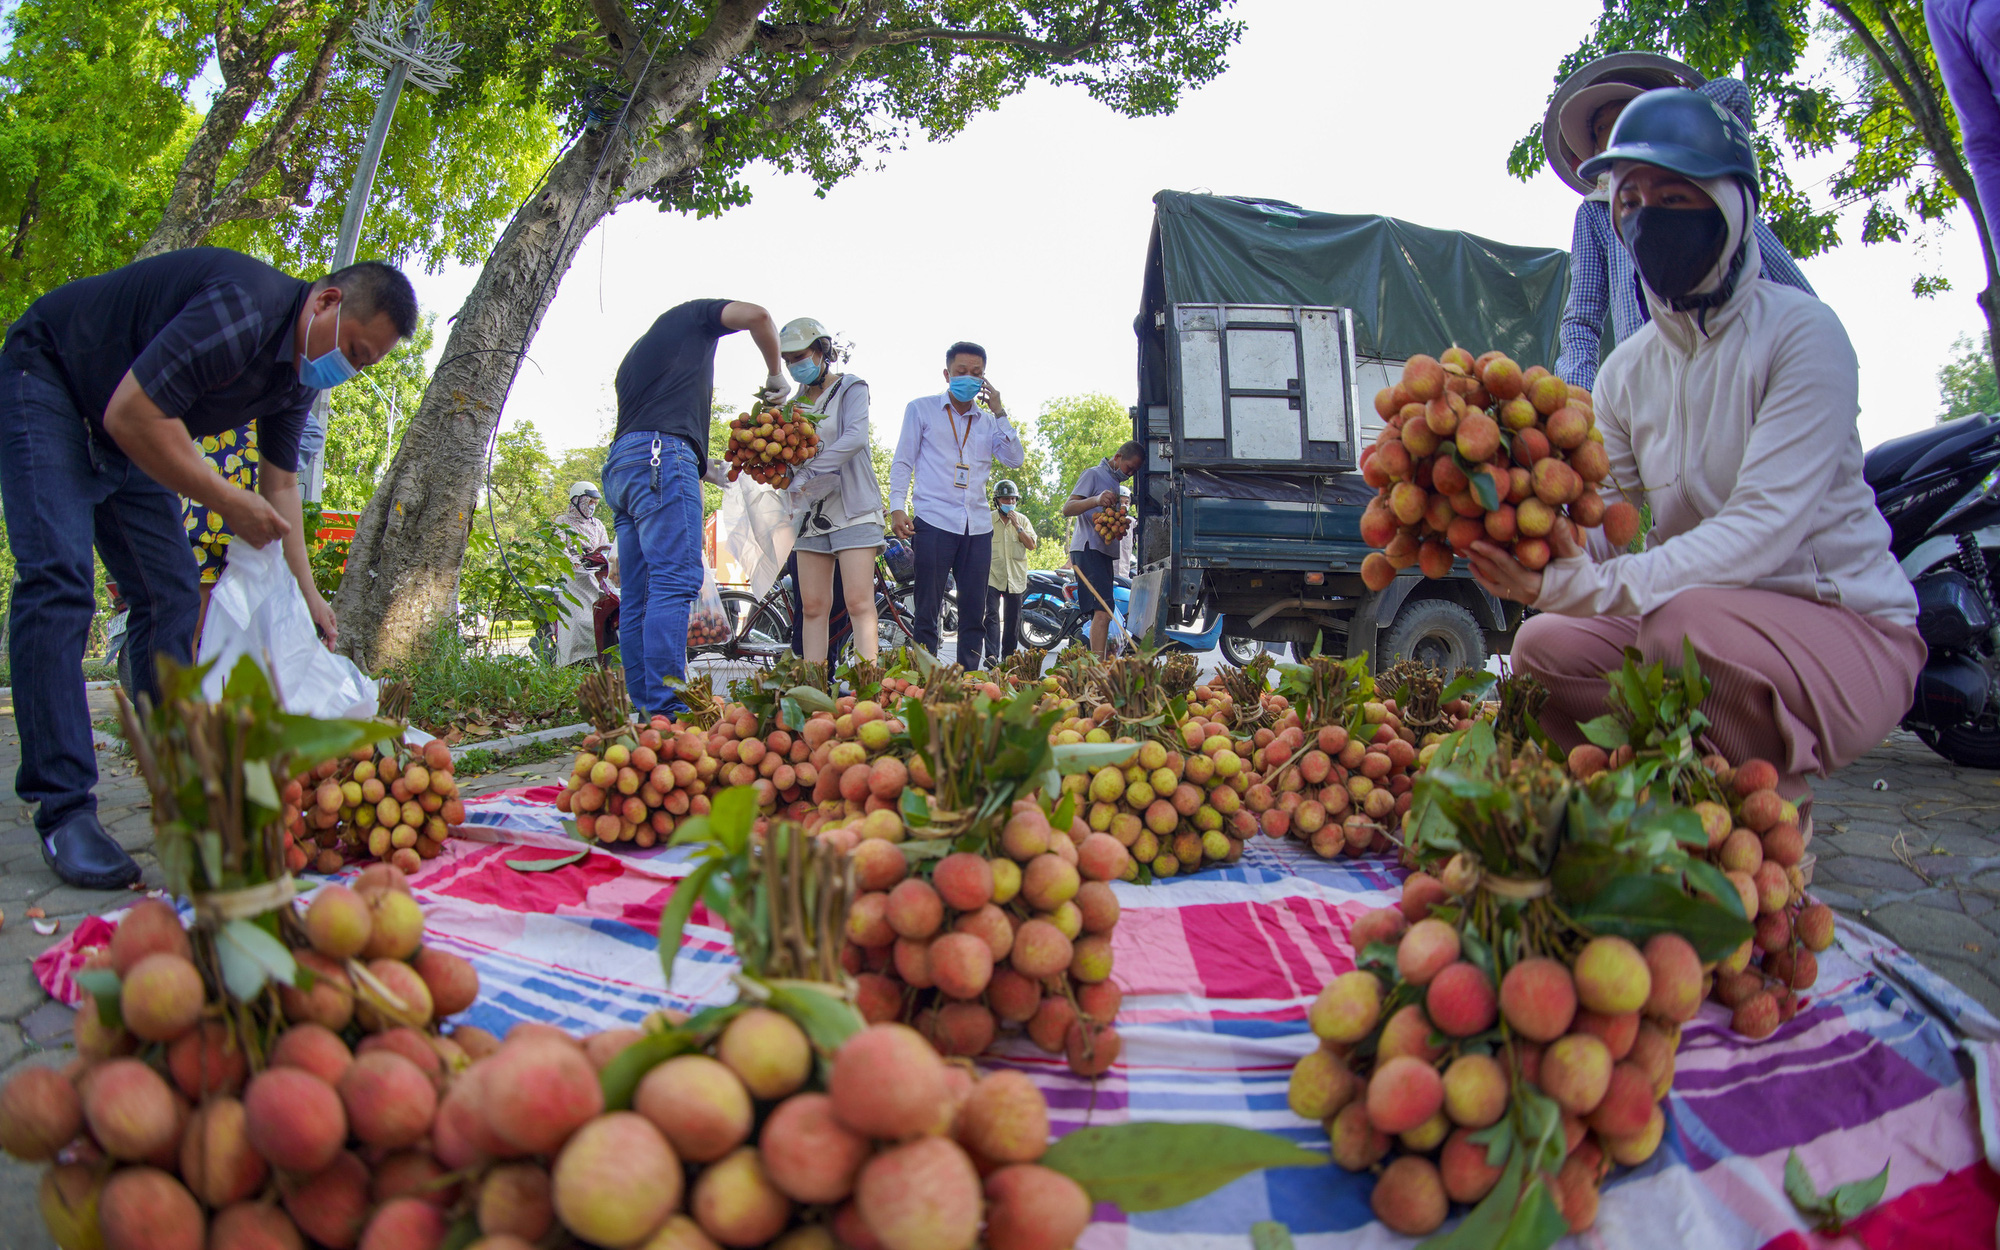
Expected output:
{"points": [[169, 1132], [396, 805], [636, 783], [1451, 422], [1761, 849], [767, 444], [1339, 793], [1111, 522], [1022, 938], [1597, 1036], [708, 626]]}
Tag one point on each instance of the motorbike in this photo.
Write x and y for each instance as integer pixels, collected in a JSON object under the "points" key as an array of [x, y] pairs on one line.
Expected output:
{"points": [[1051, 613], [603, 613], [1940, 492]]}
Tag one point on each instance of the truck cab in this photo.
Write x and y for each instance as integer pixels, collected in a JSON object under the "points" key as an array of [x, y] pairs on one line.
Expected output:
{"points": [[1264, 333]]}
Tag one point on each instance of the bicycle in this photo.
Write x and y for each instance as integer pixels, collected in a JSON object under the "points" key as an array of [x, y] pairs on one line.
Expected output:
{"points": [[762, 628]]}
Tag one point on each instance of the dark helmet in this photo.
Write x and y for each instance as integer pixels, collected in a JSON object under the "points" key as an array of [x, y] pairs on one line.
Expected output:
{"points": [[1683, 131]]}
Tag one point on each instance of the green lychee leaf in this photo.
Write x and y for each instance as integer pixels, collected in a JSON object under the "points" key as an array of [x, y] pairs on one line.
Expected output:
{"points": [[680, 906], [1637, 907], [1271, 1235], [1851, 1199], [1605, 731], [102, 985], [1484, 491], [545, 865], [1152, 1166], [1799, 1186], [1483, 1227]]}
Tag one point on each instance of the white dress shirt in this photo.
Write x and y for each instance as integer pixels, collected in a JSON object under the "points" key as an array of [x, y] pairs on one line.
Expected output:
{"points": [[936, 440]]}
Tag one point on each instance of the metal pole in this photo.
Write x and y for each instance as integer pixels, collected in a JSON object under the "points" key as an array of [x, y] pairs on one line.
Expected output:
{"points": [[313, 476]]}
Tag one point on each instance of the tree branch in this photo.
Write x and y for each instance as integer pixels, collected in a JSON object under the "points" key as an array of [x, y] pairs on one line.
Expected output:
{"points": [[278, 138], [1936, 136], [615, 19], [800, 37]]}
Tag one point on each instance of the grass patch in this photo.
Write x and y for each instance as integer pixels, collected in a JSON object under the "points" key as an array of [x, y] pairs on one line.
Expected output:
{"points": [[477, 761], [456, 684]]}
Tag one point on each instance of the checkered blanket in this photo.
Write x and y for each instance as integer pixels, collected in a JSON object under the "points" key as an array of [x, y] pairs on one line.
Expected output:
{"points": [[1884, 1063]]}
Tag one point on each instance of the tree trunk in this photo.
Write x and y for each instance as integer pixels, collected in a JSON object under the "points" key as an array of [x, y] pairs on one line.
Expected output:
{"points": [[402, 570]]}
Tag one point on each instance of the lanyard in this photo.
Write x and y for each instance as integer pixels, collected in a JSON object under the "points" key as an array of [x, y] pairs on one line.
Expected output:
{"points": [[951, 415]]}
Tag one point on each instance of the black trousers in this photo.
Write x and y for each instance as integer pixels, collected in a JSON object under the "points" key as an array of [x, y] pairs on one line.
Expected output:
{"points": [[1003, 622], [966, 557]]}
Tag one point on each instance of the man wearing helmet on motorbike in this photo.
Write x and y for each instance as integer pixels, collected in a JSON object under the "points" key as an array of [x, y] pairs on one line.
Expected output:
{"points": [[1007, 580], [1578, 125], [1732, 414], [594, 570]]}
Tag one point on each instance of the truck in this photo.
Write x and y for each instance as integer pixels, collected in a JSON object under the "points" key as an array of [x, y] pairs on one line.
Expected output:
{"points": [[1264, 332]]}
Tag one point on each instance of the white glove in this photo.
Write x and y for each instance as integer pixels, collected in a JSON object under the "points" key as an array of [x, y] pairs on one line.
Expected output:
{"points": [[717, 474], [774, 390], [808, 488]]}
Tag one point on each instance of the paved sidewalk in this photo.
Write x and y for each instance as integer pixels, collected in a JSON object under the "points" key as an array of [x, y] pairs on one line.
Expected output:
{"points": [[1906, 843]]}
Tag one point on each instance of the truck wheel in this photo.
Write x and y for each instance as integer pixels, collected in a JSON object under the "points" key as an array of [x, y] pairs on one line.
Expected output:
{"points": [[1435, 632]]}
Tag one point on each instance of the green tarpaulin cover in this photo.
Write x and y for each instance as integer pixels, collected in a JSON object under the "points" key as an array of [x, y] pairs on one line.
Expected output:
{"points": [[1412, 289]]}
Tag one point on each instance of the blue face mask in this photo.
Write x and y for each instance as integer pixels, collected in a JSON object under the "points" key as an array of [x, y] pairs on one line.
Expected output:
{"points": [[330, 369], [1006, 508], [805, 372], [965, 386]]}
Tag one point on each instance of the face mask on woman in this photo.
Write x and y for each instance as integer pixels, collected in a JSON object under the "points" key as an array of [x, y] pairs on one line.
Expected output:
{"points": [[807, 371], [1674, 248]]}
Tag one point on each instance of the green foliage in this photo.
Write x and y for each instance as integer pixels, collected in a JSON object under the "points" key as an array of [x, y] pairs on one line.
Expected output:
{"points": [[520, 578], [453, 169], [1832, 1211], [93, 118], [1889, 162], [457, 684], [1966, 384], [823, 92]]}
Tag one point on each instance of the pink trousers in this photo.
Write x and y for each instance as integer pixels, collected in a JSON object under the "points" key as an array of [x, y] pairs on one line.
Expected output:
{"points": [[1808, 686]]}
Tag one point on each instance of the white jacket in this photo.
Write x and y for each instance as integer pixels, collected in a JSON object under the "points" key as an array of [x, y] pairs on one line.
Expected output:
{"points": [[1742, 436]]}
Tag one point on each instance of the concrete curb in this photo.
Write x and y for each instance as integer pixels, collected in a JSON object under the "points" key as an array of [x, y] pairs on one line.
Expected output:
{"points": [[507, 746]]}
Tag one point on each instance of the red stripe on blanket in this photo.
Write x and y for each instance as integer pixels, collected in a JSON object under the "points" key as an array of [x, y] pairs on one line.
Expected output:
{"points": [[1956, 1213]]}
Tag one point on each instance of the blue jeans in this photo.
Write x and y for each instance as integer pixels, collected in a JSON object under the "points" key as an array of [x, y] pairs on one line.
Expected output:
{"points": [[62, 489], [966, 558], [653, 484]]}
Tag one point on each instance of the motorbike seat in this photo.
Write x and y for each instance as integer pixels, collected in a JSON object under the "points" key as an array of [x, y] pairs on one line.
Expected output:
{"points": [[1886, 463]]}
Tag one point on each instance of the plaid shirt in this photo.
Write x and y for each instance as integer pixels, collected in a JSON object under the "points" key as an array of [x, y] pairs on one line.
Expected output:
{"points": [[1601, 273], [206, 333]]}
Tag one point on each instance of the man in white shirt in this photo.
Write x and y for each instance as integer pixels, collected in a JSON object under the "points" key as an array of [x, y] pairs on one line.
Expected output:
{"points": [[946, 451]]}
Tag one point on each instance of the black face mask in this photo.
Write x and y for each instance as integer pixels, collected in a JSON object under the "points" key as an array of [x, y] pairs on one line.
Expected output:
{"points": [[1675, 248]]}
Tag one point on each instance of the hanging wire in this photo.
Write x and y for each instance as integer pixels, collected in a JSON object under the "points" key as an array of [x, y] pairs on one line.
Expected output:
{"points": [[592, 115]]}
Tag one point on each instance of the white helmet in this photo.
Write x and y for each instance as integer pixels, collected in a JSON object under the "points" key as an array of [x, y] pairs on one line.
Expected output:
{"points": [[584, 488], [801, 333]]}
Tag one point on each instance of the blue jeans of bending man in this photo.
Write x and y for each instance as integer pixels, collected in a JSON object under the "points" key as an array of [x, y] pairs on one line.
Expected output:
{"points": [[653, 484], [64, 491]]}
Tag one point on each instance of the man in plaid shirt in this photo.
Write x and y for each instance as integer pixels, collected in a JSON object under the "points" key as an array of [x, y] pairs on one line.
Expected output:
{"points": [[1602, 280], [105, 384]]}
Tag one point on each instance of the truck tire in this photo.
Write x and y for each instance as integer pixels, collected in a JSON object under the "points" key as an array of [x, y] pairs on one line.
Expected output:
{"points": [[1436, 632]]}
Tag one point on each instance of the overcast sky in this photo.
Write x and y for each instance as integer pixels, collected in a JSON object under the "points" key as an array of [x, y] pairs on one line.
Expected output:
{"points": [[1027, 232]]}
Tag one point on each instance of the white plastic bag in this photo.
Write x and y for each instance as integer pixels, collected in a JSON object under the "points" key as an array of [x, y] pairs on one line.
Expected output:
{"points": [[258, 610], [756, 527]]}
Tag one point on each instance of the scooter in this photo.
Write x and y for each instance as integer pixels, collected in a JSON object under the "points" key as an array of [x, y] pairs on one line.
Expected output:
{"points": [[1050, 611], [1940, 492]]}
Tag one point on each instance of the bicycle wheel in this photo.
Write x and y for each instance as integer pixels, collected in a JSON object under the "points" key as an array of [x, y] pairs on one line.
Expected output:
{"points": [[758, 630]]}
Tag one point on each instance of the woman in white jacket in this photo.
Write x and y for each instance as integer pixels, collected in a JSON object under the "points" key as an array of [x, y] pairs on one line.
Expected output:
{"points": [[1732, 415], [835, 496]]}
